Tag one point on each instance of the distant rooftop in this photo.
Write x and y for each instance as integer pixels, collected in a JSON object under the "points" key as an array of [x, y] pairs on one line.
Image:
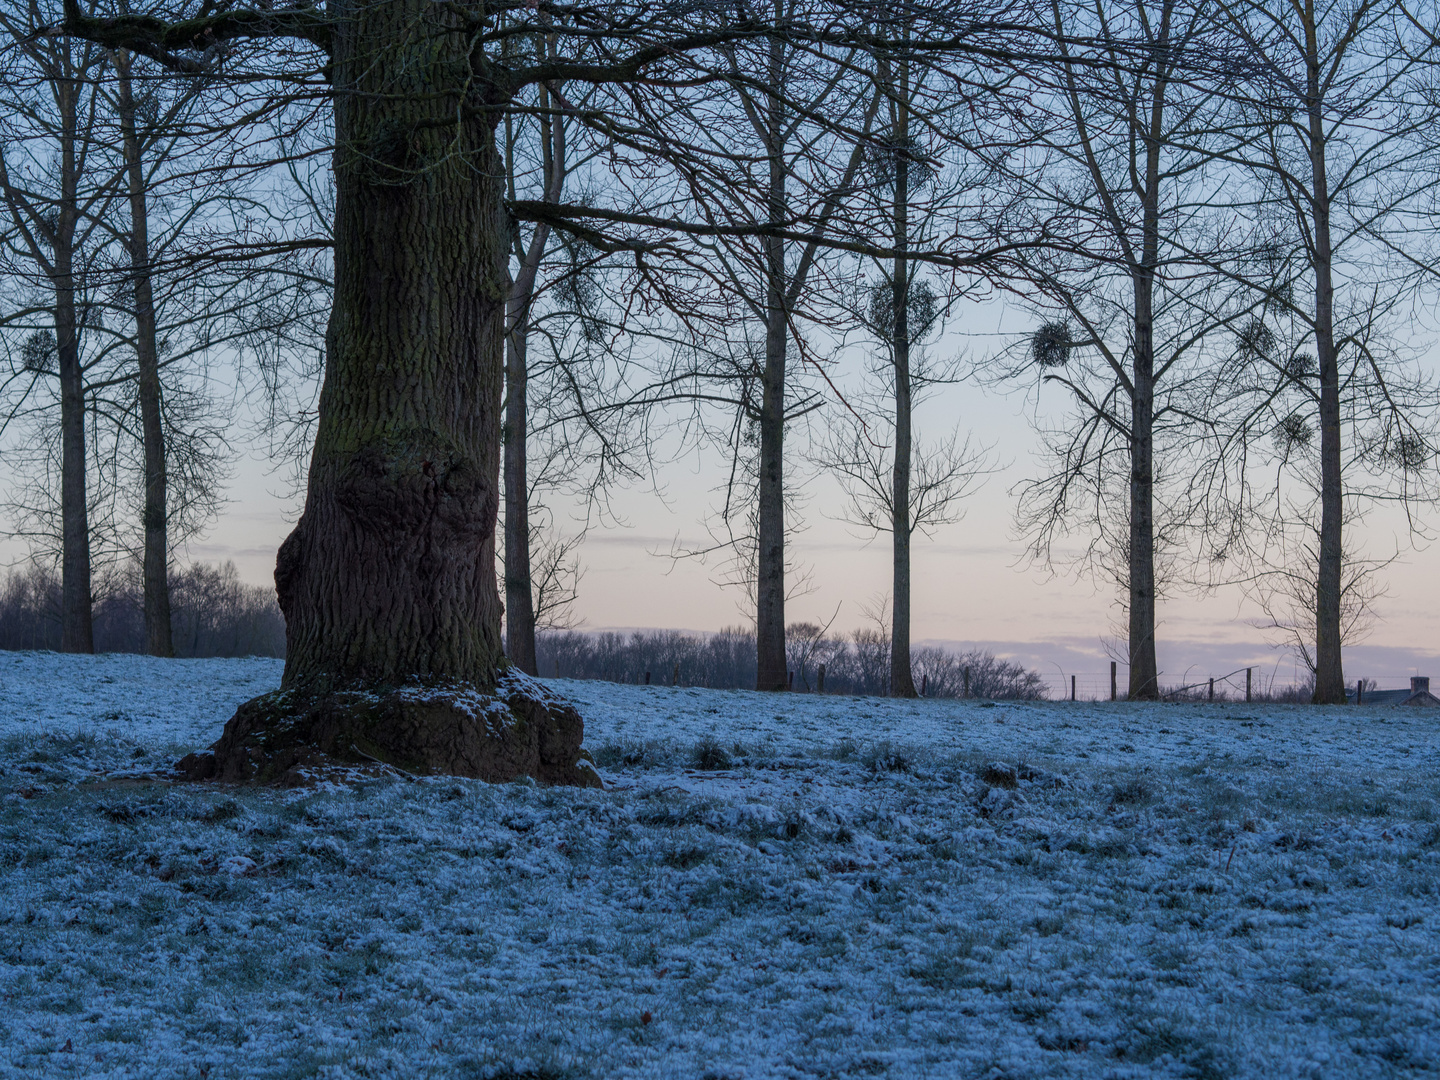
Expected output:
{"points": [[1418, 694]]}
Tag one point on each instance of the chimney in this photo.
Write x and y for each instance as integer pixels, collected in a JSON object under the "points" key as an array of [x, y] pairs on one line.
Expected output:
{"points": [[1419, 684]]}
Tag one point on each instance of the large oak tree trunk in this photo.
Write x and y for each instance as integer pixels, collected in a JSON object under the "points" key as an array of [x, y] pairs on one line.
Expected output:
{"points": [[155, 517], [388, 573], [393, 646]]}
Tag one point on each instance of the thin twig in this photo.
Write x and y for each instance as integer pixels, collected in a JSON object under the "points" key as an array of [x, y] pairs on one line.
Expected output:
{"points": [[408, 776]]}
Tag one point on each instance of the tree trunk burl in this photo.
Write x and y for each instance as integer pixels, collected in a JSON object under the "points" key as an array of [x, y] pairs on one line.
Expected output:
{"points": [[289, 737]]}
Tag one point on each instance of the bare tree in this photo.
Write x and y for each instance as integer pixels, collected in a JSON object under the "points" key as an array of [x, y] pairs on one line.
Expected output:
{"points": [[556, 571], [389, 574], [912, 194], [148, 137], [747, 360], [809, 648], [944, 474], [814, 141], [520, 602], [732, 376], [56, 189], [1126, 158], [575, 419], [1339, 111], [153, 310], [1285, 592], [859, 451], [156, 559], [900, 165], [775, 301]]}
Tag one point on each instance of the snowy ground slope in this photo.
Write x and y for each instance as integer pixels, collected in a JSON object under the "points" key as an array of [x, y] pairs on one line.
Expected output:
{"points": [[846, 888]]}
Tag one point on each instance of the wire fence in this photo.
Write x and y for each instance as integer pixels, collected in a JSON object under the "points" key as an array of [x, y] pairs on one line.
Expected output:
{"points": [[1193, 686]]}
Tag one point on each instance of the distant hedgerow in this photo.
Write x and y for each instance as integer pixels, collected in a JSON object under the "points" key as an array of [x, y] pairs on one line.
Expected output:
{"points": [[855, 664]]}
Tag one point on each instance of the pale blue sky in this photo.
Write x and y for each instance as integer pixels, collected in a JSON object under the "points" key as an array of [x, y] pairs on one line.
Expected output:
{"points": [[971, 585]]}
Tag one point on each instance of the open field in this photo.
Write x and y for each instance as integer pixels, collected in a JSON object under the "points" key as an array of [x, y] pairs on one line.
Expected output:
{"points": [[771, 886]]}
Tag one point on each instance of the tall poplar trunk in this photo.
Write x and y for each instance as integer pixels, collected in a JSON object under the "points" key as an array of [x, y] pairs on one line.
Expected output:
{"points": [[519, 589], [1329, 672], [1144, 674], [770, 668], [902, 681], [519, 597], [1144, 670], [156, 559], [76, 629], [783, 290]]}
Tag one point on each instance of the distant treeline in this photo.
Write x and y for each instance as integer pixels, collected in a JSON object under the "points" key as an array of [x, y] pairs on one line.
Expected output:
{"points": [[212, 612], [856, 664]]}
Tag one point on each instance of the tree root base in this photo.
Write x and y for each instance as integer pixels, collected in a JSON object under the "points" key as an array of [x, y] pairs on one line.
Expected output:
{"points": [[287, 737]]}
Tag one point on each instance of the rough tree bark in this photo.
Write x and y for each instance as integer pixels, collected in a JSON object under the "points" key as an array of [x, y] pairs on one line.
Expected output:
{"points": [[384, 576], [387, 583], [156, 559]]}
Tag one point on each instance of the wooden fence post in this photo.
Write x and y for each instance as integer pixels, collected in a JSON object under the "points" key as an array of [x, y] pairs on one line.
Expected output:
{"points": [[1247, 684], [1212, 689], [1072, 687], [1112, 680], [924, 684], [647, 678]]}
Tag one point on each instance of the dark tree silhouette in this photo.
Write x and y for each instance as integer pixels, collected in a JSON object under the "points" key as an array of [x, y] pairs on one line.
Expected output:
{"points": [[387, 582]]}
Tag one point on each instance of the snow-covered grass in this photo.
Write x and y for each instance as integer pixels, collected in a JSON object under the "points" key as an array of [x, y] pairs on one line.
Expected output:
{"points": [[771, 886]]}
